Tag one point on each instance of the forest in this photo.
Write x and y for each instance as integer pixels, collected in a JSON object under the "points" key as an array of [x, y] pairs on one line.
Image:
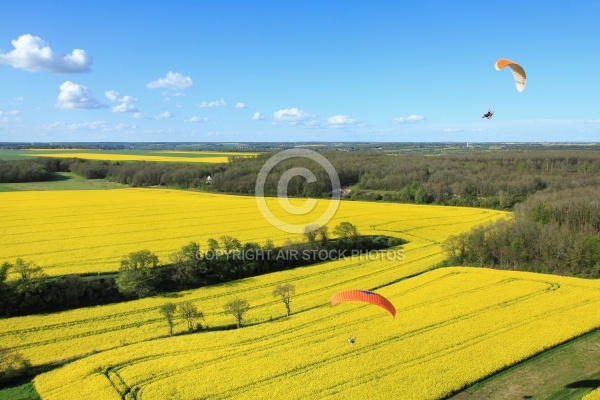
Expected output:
{"points": [[555, 232], [496, 180]]}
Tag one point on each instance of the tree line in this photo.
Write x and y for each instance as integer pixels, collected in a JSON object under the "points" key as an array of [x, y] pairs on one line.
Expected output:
{"points": [[141, 274], [554, 232], [492, 180], [483, 179], [39, 169]]}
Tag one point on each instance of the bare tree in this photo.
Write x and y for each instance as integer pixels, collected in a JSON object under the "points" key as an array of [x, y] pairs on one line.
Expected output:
{"points": [[168, 311], [237, 308], [190, 313], [285, 292]]}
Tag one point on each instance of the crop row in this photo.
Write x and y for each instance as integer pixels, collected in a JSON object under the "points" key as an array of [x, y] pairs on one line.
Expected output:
{"points": [[453, 327]]}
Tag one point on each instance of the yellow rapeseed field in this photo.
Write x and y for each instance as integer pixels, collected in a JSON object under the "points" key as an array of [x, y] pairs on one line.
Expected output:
{"points": [[453, 327], [593, 395], [159, 157], [90, 231]]}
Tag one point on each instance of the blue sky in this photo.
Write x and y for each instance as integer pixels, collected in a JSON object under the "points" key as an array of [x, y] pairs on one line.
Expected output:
{"points": [[227, 71]]}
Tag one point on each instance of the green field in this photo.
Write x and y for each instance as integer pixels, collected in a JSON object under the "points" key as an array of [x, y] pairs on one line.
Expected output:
{"points": [[62, 181], [568, 371], [25, 391]]}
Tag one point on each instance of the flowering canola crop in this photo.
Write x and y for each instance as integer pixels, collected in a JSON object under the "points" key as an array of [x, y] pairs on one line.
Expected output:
{"points": [[453, 327], [84, 231]]}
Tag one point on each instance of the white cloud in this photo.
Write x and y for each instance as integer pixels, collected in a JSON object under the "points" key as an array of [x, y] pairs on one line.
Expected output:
{"points": [[20, 98], [411, 118], [217, 103], [240, 105], [94, 125], [125, 107], [12, 112], [74, 96], [174, 81], [197, 119], [112, 95], [292, 115], [164, 115], [127, 102], [33, 54], [338, 120], [257, 117], [123, 126]]}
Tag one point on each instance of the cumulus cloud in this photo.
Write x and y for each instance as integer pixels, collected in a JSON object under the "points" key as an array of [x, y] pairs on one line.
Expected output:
{"points": [[33, 54], [410, 118], [257, 117], [341, 120], [173, 81], [197, 119], [240, 105], [74, 96], [292, 115], [217, 103], [127, 102]]}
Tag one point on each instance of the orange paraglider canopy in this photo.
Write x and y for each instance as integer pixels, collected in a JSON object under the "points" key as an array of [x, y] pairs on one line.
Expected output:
{"points": [[364, 296], [517, 71]]}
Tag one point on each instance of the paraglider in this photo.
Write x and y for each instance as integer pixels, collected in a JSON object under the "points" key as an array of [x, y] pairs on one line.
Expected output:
{"points": [[517, 71], [366, 297], [488, 114]]}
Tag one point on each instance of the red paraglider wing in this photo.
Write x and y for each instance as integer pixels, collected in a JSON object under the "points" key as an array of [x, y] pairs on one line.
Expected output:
{"points": [[364, 296]]}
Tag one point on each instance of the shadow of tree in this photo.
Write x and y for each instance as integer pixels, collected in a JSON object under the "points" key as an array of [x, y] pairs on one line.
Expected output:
{"points": [[585, 383]]}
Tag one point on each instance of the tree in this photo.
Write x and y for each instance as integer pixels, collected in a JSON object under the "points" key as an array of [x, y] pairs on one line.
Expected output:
{"points": [[347, 231], [213, 245], [168, 311], [230, 243], [185, 263], [190, 313], [4, 271], [4, 267], [285, 291], [30, 276], [310, 232], [12, 364], [237, 308], [135, 274], [322, 235]]}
